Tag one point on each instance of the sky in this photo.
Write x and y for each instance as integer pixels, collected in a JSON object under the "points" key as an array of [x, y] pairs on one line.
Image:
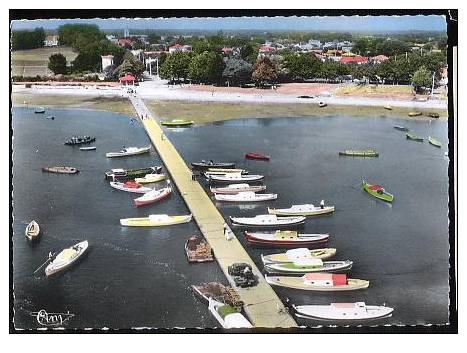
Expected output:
{"points": [[315, 23]]}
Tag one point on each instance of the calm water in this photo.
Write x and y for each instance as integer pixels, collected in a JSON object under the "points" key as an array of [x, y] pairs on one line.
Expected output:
{"points": [[140, 277]]}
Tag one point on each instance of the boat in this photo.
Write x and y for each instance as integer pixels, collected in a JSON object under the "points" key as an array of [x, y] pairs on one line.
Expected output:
{"points": [[51, 117], [387, 107], [401, 128], [342, 311], [359, 153], [286, 238], [73, 141], [298, 253], [60, 170], [226, 170], [122, 174], [322, 104], [413, 137], [130, 186], [268, 221], [128, 151], [198, 250], [321, 282], [66, 258], [258, 156], [90, 148], [415, 113], [301, 210], [39, 110], [308, 265], [152, 196], [32, 230], [155, 220], [203, 165], [228, 316], [245, 196], [433, 115], [377, 191], [434, 142], [230, 177], [150, 178], [177, 122], [236, 188], [219, 292]]}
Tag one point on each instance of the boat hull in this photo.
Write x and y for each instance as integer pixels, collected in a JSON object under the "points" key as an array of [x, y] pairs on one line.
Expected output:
{"points": [[177, 123], [207, 165], [297, 283], [324, 312], [350, 153], [60, 170], [50, 269], [287, 212], [93, 148], [290, 268], [256, 198], [32, 231], [286, 242], [385, 196], [413, 137], [257, 156], [150, 178], [434, 142], [128, 153], [231, 191], [131, 173], [323, 254], [142, 201], [401, 128], [121, 187], [147, 222], [241, 179], [256, 224]]}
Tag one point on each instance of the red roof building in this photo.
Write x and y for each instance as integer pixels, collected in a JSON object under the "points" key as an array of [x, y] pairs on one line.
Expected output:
{"points": [[127, 79], [379, 58], [125, 41], [354, 59]]}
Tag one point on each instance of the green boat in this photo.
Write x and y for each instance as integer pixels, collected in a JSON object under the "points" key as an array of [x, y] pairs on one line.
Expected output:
{"points": [[434, 142], [177, 122], [377, 191], [359, 153], [414, 137]]}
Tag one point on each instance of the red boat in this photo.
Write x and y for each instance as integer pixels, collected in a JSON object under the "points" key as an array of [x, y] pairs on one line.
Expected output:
{"points": [[259, 156], [152, 196]]}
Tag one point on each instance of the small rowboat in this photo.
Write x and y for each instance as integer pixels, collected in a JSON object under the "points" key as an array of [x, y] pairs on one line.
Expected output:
{"points": [[90, 148], [236, 188], [342, 311], [308, 265], [387, 107], [228, 316], [129, 151], [122, 174], [219, 292], [413, 137], [32, 230], [433, 115], [322, 104], [298, 253], [359, 153], [415, 113], [79, 140], [401, 128], [203, 165], [150, 178], [60, 170], [301, 210], [321, 282], [66, 258], [245, 196], [198, 250], [39, 110], [258, 156], [226, 170], [51, 117], [377, 191], [434, 141], [155, 220], [286, 238], [232, 177], [177, 122], [152, 196], [130, 186], [268, 221]]}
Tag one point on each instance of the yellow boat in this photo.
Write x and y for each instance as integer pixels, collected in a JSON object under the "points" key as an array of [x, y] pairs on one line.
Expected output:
{"points": [[290, 255], [321, 282], [150, 178], [302, 210], [32, 230], [226, 170], [155, 220]]}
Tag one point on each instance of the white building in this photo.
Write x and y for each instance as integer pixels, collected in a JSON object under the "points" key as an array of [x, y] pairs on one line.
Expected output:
{"points": [[178, 47], [111, 38], [51, 41], [107, 61]]}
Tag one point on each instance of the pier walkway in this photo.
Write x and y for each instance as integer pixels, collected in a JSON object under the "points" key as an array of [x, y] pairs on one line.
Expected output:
{"points": [[263, 307]]}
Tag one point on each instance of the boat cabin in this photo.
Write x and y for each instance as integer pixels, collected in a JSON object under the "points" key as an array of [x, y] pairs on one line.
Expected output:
{"points": [[325, 279], [286, 234]]}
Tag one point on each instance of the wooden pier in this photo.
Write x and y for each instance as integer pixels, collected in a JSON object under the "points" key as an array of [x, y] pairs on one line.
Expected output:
{"points": [[263, 307]]}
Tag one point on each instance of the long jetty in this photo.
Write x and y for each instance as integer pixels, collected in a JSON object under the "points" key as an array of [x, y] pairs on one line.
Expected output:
{"points": [[261, 304]]}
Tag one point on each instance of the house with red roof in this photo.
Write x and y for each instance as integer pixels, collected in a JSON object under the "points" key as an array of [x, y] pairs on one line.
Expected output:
{"points": [[125, 42], [354, 59], [178, 47], [378, 59]]}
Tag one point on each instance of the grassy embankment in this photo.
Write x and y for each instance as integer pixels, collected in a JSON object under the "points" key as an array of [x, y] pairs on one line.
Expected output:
{"points": [[382, 90]]}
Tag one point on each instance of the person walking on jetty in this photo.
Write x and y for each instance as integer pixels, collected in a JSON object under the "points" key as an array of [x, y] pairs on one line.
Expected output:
{"points": [[227, 232]]}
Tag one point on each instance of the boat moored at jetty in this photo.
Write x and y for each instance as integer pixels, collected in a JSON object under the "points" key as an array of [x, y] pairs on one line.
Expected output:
{"points": [[301, 210], [122, 174], [285, 238], [197, 249], [32, 230], [150, 178], [321, 282], [79, 140], [219, 292], [128, 151], [359, 153], [236, 188], [204, 165], [413, 137], [152, 196], [60, 170], [155, 220], [258, 156], [226, 170], [377, 191], [298, 253], [245, 196], [268, 221], [343, 311], [66, 258], [228, 316], [434, 142], [401, 128], [305, 265], [234, 177], [130, 186], [177, 122]]}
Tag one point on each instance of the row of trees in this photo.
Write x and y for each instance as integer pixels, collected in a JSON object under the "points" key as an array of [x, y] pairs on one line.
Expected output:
{"points": [[21, 40]]}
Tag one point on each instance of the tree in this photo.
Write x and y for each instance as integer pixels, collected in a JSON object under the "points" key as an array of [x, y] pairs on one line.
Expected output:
{"points": [[21, 40], [302, 66], [237, 71], [176, 66], [249, 52], [57, 63], [421, 78], [153, 38], [130, 65], [206, 67], [264, 71], [79, 35]]}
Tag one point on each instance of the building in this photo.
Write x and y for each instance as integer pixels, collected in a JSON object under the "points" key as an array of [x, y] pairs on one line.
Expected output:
{"points": [[354, 59], [125, 42], [138, 53], [111, 38], [379, 59], [179, 48], [51, 41], [107, 61], [127, 80]]}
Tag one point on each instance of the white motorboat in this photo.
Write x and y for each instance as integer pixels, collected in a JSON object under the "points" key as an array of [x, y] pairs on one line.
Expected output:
{"points": [[90, 148], [232, 177], [246, 196], [66, 258], [299, 253], [152, 196], [308, 266], [343, 311], [129, 151], [268, 221], [150, 178], [227, 315], [302, 210], [286, 238], [130, 186], [320, 282], [236, 188]]}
